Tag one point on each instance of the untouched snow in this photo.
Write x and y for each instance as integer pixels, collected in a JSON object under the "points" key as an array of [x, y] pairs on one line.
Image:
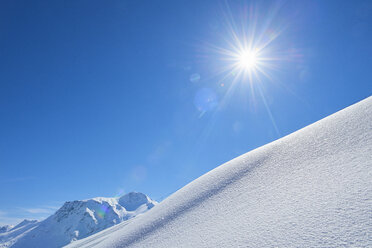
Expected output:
{"points": [[76, 220], [309, 189]]}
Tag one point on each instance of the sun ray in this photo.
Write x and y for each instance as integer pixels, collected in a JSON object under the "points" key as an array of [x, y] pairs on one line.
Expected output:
{"points": [[249, 55]]}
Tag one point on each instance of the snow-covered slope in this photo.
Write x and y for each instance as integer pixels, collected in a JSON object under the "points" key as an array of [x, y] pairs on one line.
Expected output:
{"points": [[312, 188], [9, 234], [79, 219], [5, 228]]}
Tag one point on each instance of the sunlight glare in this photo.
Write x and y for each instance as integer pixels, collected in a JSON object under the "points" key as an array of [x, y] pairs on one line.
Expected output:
{"points": [[248, 59]]}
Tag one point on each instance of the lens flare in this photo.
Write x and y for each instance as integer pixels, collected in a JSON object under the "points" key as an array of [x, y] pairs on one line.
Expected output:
{"points": [[205, 100], [101, 212]]}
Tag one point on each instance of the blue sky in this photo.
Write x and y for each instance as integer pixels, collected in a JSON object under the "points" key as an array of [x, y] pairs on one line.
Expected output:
{"points": [[100, 98]]}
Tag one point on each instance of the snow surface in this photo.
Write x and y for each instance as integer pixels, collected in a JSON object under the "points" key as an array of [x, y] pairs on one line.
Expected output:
{"points": [[9, 234], [76, 220], [309, 189]]}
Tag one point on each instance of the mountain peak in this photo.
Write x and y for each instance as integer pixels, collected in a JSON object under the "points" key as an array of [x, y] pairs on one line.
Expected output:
{"points": [[134, 200], [5, 228], [78, 219]]}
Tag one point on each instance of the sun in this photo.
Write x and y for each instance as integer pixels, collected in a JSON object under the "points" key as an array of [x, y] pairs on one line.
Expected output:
{"points": [[247, 59], [249, 51]]}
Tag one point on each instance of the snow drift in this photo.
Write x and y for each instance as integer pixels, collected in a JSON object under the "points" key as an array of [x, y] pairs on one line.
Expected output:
{"points": [[76, 220], [309, 189]]}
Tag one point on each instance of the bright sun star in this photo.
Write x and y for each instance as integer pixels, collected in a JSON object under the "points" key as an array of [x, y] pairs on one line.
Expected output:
{"points": [[247, 54], [247, 59]]}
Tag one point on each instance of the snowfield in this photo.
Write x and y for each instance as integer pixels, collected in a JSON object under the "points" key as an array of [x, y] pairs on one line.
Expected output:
{"points": [[312, 188]]}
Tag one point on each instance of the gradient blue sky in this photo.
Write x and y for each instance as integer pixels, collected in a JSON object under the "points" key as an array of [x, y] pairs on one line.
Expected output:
{"points": [[99, 98]]}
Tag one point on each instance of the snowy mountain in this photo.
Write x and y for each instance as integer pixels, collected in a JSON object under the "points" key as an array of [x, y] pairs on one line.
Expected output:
{"points": [[76, 220], [5, 228], [9, 234], [309, 189]]}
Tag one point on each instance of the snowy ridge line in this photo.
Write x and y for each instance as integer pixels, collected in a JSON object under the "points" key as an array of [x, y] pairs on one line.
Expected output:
{"points": [[305, 189], [218, 177], [10, 236], [184, 207]]}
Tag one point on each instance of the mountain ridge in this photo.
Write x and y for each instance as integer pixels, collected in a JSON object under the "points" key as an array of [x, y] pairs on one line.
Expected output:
{"points": [[75, 220]]}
